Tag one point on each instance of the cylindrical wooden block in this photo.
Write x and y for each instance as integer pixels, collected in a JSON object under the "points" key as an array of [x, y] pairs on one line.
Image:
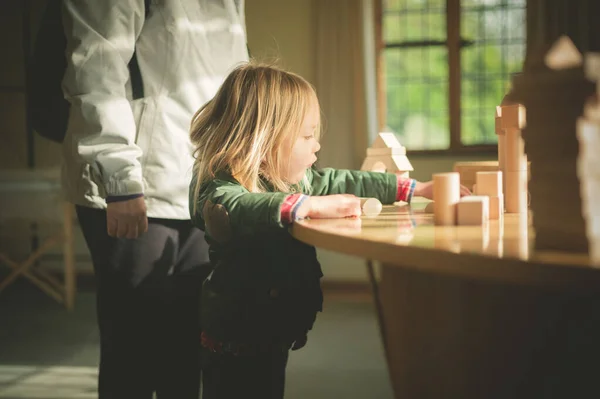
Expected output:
{"points": [[514, 152], [515, 197], [446, 194], [370, 206]]}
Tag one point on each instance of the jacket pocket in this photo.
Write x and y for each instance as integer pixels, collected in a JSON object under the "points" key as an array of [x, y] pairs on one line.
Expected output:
{"points": [[143, 110]]}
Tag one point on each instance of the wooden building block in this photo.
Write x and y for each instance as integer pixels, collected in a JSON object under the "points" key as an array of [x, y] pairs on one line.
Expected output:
{"points": [[498, 120], [591, 108], [513, 116], [516, 192], [473, 210], [386, 151], [468, 170], [591, 66], [489, 183], [514, 145], [390, 164], [386, 155], [386, 140], [446, 194], [496, 207], [370, 206], [563, 55]]}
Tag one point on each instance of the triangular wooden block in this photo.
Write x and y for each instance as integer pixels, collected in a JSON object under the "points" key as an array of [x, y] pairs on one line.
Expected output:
{"points": [[563, 55], [401, 163], [386, 140]]}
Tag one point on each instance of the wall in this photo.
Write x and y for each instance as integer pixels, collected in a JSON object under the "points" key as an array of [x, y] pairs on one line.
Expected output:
{"points": [[283, 30]]}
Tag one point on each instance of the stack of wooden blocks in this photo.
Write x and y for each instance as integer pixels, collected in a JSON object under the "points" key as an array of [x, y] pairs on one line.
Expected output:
{"points": [[588, 161], [553, 93], [386, 154]]}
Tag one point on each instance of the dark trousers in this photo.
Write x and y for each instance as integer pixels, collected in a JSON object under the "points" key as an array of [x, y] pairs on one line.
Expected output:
{"points": [[148, 293], [226, 376]]}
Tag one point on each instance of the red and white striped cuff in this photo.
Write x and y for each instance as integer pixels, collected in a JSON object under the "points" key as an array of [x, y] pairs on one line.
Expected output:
{"points": [[406, 188], [290, 206]]}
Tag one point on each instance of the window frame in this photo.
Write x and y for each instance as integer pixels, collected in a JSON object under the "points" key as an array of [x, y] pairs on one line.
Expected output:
{"points": [[454, 44]]}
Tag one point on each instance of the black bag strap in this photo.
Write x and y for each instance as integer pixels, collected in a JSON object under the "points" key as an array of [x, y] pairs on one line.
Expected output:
{"points": [[137, 86]]}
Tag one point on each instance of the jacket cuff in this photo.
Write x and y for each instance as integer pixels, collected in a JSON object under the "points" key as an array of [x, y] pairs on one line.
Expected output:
{"points": [[406, 188], [290, 206], [120, 198], [119, 188]]}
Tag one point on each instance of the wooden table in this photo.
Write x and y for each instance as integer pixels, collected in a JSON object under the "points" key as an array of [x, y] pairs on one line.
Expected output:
{"points": [[473, 311]]}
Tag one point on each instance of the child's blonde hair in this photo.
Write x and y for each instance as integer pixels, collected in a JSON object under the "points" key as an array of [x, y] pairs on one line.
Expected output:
{"points": [[256, 111]]}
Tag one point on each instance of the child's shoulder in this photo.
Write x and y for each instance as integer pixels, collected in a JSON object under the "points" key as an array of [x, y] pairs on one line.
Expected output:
{"points": [[221, 181]]}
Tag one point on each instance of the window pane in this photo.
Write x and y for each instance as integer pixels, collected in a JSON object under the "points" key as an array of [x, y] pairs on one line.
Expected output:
{"points": [[392, 28], [497, 29], [414, 25], [417, 96]]}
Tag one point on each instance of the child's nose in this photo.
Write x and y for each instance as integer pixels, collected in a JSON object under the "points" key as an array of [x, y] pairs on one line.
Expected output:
{"points": [[317, 147]]}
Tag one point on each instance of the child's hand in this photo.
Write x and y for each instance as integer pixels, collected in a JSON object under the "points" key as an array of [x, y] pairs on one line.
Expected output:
{"points": [[330, 206], [426, 190]]}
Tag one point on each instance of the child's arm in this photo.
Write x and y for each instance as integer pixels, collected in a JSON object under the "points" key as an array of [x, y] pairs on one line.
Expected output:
{"points": [[225, 207], [226, 210], [386, 187]]}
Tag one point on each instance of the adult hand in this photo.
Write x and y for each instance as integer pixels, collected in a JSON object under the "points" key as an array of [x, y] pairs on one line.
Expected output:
{"points": [[426, 190], [127, 219], [330, 206]]}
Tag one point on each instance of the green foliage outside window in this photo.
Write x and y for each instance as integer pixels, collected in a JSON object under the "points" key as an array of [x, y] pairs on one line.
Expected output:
{"points": [[417, 76]]}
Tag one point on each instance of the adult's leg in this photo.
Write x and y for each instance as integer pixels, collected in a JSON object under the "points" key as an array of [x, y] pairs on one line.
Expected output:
{"points": [[258, 376], [180, 361], [131, 288]]}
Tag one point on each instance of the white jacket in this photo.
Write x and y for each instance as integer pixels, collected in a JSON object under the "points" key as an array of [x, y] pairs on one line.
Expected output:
{"points": [[119, 146]]}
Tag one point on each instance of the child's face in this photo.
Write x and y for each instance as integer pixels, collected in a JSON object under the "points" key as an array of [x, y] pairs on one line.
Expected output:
{"points": [[303, 152]]}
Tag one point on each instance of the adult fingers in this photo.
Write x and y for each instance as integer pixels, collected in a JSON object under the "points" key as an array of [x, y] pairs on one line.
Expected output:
{"points": [[132, 231], [122, 227], [111, 226], [143, 224]]}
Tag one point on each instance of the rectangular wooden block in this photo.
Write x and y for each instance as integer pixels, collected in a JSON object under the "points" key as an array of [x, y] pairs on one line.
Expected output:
{"points": [[498, 121], [496, 207], [514, 151], [489, 183], [386, 151], [515, 194], [513, 116], [468, 170], [473, 210]]}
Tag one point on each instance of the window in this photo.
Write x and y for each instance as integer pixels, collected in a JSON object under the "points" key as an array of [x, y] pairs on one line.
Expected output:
{"points": [[444, 67]]}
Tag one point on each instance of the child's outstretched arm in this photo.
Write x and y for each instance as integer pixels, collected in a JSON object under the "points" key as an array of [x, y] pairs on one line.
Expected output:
{"points": [[386, 187], [226, 210]]}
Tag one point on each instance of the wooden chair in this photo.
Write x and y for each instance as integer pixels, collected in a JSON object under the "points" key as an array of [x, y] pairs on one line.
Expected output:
{"points": [[31, 197]]}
